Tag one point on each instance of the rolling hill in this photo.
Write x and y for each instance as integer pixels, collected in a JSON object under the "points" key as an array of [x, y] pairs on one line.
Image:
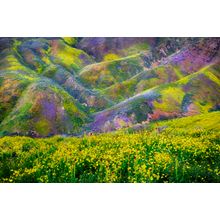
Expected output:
{"points": [[68, 86], [194, 94]]}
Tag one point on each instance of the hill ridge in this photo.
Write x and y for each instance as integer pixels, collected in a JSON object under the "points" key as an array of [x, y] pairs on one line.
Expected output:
{"points": [[105, 83]]}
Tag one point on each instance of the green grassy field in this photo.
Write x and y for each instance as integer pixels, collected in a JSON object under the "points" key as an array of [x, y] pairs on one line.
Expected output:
{"points": [[178, 150]]}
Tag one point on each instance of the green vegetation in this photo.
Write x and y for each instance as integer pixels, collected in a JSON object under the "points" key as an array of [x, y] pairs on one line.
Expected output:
{"points": [[142, 81], [111, 56], [180, 150], [54, 86], [45, 108], [104, 74], [171, 99], [12, 85], [136, 48], [193, 94], [70, 40], [69, 57], [131, 81]]}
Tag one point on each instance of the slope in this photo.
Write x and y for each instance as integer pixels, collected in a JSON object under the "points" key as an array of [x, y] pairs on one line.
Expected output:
{"points": [[43, 109], [193, 94]]}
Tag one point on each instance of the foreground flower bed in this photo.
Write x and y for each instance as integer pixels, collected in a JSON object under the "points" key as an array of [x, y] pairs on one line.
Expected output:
{"points": [[186, 150]]}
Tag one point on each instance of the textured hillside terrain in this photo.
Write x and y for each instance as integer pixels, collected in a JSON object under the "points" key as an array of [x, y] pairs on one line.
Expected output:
{"points": [[70, 85]]}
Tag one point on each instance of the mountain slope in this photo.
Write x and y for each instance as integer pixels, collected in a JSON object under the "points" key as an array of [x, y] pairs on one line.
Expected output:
{"points": [[70, 85], [185, 61], [12, 84], [45, 108], [102, 48], [193, 94], [104, 74]]}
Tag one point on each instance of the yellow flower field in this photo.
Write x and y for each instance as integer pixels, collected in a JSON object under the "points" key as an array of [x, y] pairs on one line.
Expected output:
{"points": [[185, 150]]}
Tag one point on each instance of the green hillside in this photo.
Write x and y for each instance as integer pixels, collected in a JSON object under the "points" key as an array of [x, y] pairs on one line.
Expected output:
{"points": [[194, 94], [109, 109], [45, 108], [110, 83], [104, 74]]}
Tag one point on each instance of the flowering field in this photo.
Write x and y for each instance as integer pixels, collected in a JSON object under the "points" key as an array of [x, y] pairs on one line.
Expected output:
{"points": [[179, 150]]}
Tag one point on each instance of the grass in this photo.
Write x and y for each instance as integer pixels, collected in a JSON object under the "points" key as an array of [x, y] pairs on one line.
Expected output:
{"points": [[180, 150], [105, 74], [30, 114], [69, 57], [142, 81]]}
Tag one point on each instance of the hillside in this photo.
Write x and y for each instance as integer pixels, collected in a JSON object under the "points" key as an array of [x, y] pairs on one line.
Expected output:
{"points": [[70, 85], [193, 94], [45, 108]]}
